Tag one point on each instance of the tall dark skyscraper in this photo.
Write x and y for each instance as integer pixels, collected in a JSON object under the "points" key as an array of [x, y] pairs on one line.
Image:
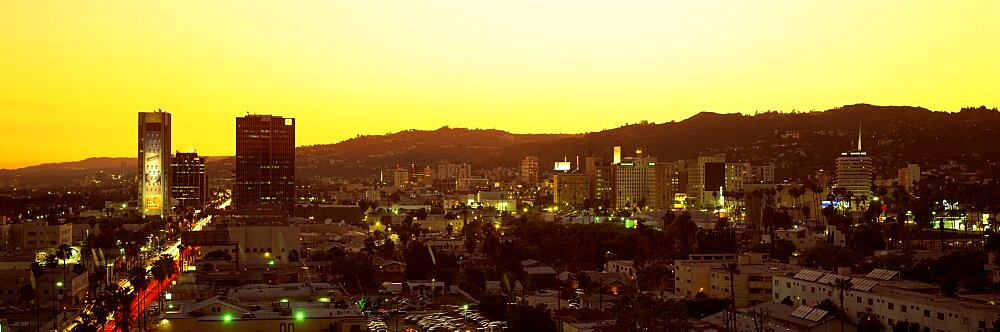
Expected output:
{"points": [[715, 176], [265, 162], [154, 163], [188, 182]]}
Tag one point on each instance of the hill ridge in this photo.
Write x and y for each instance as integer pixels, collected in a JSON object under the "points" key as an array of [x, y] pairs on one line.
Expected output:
{"points": [[798, 143]]}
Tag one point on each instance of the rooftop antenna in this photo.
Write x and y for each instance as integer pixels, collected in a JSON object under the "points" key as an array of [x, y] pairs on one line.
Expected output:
{"points": [[859, 135]]}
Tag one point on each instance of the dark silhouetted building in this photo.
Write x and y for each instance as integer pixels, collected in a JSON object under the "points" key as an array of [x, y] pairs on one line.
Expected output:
{"points": [[715, 176], [154, 163], [699, 192], [265, 163], [188, 182]]}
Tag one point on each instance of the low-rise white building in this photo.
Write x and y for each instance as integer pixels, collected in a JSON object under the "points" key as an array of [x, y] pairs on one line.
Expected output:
{"points": [[802, 237], [889, 300], [254, 245], [626, 268]]}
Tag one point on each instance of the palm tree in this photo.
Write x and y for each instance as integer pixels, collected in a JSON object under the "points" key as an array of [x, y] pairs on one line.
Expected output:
{"points": [[63, 252], [36, 273], [138, 279], [842, 285], [122, 301], [100, 309], [796, 193], [180, 250], [941, 229], [163, 268], [465, 219]]}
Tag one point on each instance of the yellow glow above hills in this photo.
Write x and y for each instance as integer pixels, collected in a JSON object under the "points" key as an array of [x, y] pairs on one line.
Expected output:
{"points": [[73, 73]]}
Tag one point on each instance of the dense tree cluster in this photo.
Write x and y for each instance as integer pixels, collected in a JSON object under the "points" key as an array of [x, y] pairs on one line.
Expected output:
{"points": [[829, 257], [524, 317], [958, 270], [645, 313]]}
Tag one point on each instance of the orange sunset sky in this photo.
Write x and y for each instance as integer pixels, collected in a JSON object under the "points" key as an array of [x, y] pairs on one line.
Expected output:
{"points": [[74, 73]]}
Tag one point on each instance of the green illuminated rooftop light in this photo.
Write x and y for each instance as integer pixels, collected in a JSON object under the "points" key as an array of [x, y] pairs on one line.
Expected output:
{"points": [[300, 315], [284, 300], [270, 262], [227, 318], [59, 284]]}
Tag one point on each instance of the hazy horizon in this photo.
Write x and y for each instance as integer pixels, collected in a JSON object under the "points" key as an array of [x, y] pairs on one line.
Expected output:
{"points": [[188, 149]]}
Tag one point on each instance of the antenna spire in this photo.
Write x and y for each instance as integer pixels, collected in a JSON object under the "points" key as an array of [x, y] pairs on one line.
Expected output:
{"points": [[859, 135]]}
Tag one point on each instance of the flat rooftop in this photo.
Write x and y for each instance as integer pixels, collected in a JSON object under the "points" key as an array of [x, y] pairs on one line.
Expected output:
{"points": [[305, 310], [933, 300]]}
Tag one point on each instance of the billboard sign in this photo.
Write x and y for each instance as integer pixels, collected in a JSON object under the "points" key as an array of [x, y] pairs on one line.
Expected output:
{"points": [[152, 174]]}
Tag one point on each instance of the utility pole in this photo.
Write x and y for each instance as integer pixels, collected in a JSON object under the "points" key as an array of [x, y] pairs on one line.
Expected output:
{"points": [[732, 267]]}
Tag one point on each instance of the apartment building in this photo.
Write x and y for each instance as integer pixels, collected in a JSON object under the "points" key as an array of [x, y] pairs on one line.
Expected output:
{"points": [[883, 296], [710, 274]]}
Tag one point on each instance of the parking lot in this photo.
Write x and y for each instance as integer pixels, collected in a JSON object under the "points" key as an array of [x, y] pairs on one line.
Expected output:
{"points": [[449, 318]]}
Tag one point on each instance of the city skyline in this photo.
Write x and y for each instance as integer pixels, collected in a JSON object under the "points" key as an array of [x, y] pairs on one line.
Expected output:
{"points": [[196, 150], [349, 68], [535, 166]]}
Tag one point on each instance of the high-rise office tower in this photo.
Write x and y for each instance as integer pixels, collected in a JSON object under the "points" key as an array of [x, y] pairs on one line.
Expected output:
{"points": [[909, 175], [670, 178], [762, 174], [400, 177], [601, 179], [590, 165], [571, 188], [154, 163], [704, 174], [635, 182], [188, 182], [737, 174], [529, 170], [265, 162], [854, 171]]}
